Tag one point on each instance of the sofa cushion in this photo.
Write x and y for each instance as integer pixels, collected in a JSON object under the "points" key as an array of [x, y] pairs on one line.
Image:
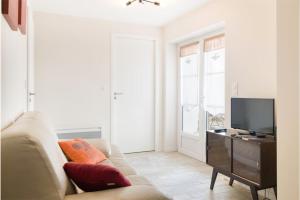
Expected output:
{"points": [[118, 160], [80, 151], [122, 165], [101, 145], [107, 162], [32, 162], [115, 152], [134, 192], [95, 177]]}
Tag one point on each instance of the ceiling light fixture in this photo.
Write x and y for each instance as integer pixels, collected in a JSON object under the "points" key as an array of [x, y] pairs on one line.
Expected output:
{"points": [[142, 1]]}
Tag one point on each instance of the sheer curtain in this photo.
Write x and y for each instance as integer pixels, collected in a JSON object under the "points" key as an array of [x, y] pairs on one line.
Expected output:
{"points": [[189, 66]]}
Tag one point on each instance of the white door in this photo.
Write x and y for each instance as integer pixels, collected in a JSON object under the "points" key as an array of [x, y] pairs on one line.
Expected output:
{"points": [[133, 63], [192, 115]]}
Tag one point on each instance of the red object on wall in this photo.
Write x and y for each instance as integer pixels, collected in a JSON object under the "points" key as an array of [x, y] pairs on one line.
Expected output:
{"points": [[10, 12], [22, 19]]}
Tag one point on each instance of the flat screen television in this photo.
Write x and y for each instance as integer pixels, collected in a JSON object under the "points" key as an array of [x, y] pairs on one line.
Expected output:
{"points": [[253, 115]]}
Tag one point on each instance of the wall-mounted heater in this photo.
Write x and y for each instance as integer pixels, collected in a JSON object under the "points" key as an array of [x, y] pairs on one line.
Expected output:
{"points": [[85, 133]]}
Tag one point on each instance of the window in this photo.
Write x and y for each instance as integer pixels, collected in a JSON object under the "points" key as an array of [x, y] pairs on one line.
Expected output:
{"points": [[202, 81], [214, 81], [189, 67]]}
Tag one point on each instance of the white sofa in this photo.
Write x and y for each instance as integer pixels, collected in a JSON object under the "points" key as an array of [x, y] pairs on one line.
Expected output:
{"points": [[32, 166]]}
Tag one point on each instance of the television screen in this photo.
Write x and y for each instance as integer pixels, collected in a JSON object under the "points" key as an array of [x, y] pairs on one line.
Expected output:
{"points": [[255, 115]]}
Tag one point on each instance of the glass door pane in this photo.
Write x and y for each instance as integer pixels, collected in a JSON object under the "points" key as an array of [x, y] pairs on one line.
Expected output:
{"points": [[214, 90], [189, 66]]}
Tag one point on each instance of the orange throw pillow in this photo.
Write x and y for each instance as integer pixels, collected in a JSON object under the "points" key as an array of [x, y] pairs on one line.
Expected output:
{"points": [[80, 151]]}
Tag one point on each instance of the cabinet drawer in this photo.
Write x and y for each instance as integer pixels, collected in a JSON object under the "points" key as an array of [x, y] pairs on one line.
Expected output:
{"points": [[246, 160], [219, 151]]}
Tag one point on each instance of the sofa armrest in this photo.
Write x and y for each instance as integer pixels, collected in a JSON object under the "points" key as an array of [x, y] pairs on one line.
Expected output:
{"points": [[136, 192], [102, 145]]}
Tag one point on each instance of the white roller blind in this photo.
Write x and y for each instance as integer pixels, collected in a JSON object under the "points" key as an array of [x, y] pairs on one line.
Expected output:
{"points": [[214, 43], [189, 49]]}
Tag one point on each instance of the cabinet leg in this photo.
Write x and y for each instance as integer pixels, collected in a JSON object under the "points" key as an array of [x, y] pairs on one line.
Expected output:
{"points": [[213, 178], [231, 181], [275, 191], [254, 192]]}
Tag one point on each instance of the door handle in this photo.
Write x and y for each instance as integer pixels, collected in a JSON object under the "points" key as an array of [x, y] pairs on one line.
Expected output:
{"points": [[118, 93], [31, 93]]}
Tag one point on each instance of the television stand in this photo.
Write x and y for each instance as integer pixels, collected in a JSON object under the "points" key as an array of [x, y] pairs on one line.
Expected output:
{"points": [[247, 132], [253, 133], [260, 135], [251, 161]]}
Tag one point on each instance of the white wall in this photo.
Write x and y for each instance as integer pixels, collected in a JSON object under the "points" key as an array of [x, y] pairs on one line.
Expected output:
{"points": [[170, 98], [299, 95], [250, 28], [73, 68], [288, 99], [13, 76]]}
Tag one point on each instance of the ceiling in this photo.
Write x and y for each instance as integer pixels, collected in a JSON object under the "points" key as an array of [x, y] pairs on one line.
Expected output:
{"points": [[116, 10]]}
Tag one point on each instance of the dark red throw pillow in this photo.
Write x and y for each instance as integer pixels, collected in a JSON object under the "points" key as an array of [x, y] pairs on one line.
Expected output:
{"points": [[95, 177]]}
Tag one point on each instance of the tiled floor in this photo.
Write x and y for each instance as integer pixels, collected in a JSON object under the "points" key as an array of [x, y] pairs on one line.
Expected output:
{"points": [[185, 178]]}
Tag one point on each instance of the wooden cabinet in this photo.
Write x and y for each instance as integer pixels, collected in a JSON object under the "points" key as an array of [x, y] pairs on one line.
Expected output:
{"points": [[251, 161]]}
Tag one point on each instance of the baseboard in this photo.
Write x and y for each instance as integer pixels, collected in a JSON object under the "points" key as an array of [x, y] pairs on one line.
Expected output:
{"points": [[170, 149], [191, 154]]}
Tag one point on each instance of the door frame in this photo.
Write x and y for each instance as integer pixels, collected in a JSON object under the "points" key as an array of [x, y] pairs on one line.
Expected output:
{"points": [[30, 68], [156, 86]]}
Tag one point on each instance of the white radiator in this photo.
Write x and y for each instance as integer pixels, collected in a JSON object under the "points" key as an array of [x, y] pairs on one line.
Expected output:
{"points": [[87, 133]]}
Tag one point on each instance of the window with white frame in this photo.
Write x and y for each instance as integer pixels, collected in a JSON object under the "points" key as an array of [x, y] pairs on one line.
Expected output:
{"points": [[214, 81], [189, 70], [202, 85]]}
